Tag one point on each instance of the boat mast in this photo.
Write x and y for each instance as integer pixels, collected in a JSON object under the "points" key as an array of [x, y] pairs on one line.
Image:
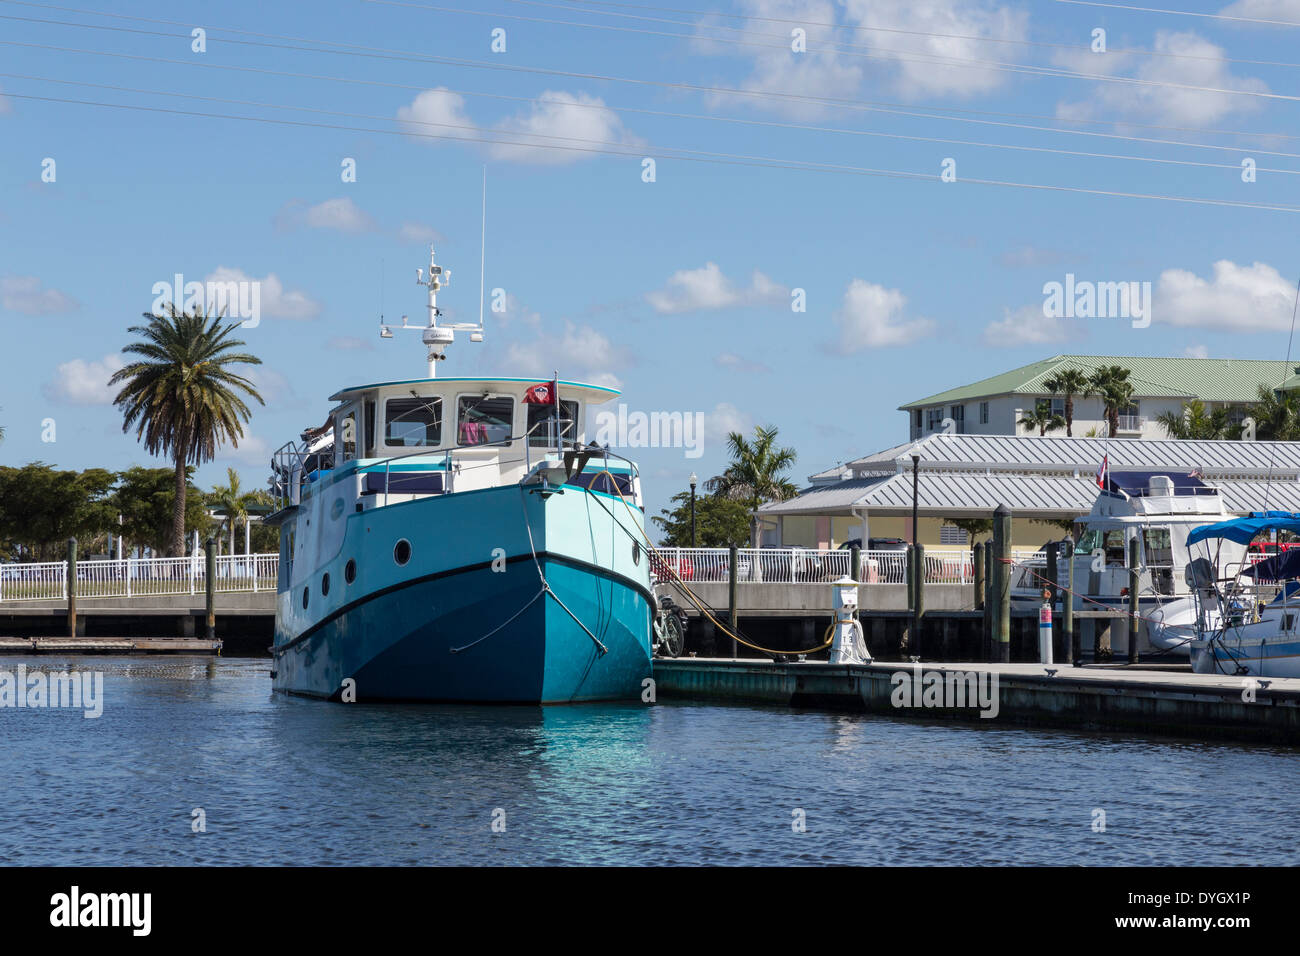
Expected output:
{"points": [[436, 337]]}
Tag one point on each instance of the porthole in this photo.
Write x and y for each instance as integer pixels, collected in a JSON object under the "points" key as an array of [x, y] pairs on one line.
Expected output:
{"points": [[305, 592], [402, 551], [324, 585], [350, 571], [636, 552]]}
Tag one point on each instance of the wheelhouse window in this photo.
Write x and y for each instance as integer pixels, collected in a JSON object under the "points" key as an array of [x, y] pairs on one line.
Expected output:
{"points": [[413, 422], [541, 430], [484, 419]]}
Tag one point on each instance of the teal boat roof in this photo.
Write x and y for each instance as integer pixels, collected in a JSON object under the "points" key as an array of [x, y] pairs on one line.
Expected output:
{"points": [[352, 390]]}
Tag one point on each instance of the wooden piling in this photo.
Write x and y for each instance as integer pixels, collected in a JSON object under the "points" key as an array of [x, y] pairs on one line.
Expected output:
{"points": [[1134, 618], [1001, 595], [1067, 608], [210, 587], [72, 587], [731, 597]]}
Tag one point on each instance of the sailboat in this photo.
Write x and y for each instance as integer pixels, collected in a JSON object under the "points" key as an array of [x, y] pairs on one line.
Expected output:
{"points": [[454, 539]]}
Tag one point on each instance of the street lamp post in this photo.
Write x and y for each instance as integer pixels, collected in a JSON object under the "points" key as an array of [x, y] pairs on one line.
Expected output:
{"points": [[694, 479]]}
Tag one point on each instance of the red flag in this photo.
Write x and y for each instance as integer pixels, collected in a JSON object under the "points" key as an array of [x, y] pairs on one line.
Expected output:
{"points": [[544, 394], [1101, 472]]}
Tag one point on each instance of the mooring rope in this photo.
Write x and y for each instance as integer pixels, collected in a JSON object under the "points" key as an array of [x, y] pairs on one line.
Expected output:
{"points": [[676, 579]]}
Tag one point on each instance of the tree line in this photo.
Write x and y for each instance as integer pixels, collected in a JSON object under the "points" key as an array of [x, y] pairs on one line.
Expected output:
{"points": [[42, 506]]}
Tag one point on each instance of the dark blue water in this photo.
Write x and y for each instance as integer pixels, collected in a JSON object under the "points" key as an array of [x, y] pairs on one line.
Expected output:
{"points": [[288, 781]]}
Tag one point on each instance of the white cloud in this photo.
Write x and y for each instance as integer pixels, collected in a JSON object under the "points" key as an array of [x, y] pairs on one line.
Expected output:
{"points": [[1028, 325], [559, 118], [418, 232], [437, 112], [24, 294], [874, 317], [918, 72], [555, 118], [252, 450], [1286, 10], [277, 302], [1196, 62], [82, 382], [581, 352], [1254, 298], [818, 72], [341, 215], [1196, 351], [725, 419], [694, 290]]}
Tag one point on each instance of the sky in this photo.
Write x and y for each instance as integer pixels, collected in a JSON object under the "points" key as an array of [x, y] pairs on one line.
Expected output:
{"points": [[794, 255]]}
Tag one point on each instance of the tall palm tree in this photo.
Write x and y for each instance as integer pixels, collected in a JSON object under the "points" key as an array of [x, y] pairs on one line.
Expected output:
{"points": [[1068, 382], [1193, 421], [182, 395], [1111, 383], [1042, 419], [233, 503], [755, 472]]}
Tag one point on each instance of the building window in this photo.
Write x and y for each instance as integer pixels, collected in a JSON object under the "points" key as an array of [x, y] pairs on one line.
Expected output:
{"points": [[916, 419], [959, 413], [933, 419], [1058, 407], [984, 413], [413, 422], [951, 534]]}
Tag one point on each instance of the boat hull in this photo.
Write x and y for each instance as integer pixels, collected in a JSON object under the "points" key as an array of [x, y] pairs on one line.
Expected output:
{"points": [[507, 597], [1276, 658]]}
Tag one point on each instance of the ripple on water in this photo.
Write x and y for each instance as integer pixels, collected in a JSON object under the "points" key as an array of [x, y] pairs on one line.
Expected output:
{"points": [[288, 781]]}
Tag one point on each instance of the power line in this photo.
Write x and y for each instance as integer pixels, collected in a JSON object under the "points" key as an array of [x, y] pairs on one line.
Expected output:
{"points": [[804, 127], [1183, 13], [973, 63], [871, 106], [585, 6], [958, 62], [701, 156]]}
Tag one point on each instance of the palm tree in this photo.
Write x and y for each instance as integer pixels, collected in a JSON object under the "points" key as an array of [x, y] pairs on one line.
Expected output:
{"points": [[1111, 383], [1068, 382], [1277, 415], [754, 475], [1195, 422], [233, 503], [1042, 419], [182, 396]]}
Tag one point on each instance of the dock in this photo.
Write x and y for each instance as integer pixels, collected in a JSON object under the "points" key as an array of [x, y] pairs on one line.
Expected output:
{"points": [[109, 645], [1167, 702]]}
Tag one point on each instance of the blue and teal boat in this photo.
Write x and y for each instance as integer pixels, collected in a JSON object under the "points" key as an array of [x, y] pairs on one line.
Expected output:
{"points": [[454, 539]]}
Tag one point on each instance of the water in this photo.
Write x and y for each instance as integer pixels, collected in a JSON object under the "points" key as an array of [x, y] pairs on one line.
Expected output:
{"points": [[289, 781]]}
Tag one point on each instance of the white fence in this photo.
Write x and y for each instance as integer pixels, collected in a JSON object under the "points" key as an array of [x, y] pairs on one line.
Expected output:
{"points": [[809, 566], [130, 577]]}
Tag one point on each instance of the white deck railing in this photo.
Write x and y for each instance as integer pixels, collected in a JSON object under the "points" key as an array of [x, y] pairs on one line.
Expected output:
{"points": [[809, 566], [131, 577]]}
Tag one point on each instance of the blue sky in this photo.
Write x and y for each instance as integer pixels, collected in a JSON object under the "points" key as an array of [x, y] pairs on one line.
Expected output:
{"points": [[678, 290]]}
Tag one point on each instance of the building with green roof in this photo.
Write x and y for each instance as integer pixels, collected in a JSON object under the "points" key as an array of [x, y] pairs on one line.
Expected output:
{"points": [[995, 405]]}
